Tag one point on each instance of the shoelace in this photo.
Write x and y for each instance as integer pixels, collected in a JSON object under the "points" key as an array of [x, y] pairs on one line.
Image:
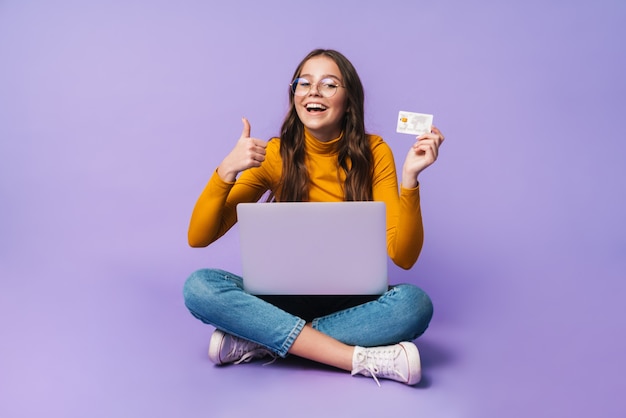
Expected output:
{"points": [[245, 352], [379, 363], [257, 353]]}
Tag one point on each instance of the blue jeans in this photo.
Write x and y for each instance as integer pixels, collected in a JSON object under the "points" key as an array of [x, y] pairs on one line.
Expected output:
{"points": [[217, 297]]}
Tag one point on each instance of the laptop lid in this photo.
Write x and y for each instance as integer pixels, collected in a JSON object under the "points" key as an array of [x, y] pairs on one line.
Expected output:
{"points": [[313, 248]]}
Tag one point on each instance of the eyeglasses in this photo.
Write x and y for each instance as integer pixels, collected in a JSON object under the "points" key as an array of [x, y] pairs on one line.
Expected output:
{"points": [[326, 87]]}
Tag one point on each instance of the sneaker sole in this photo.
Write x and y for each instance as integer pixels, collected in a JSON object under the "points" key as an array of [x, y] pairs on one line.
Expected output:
{"points": [[415, 368], [215, 346]]}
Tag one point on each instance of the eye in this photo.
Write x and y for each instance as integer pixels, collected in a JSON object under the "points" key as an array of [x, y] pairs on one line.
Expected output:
{"points": [[303, 82], [300, 86], [329, 84]]}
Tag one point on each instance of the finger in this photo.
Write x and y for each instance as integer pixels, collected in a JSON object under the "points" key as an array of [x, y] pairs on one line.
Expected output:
{"points": [[426, 135], [246, 128], [259, 143], [254, 160], [259, 150], [433, 139], [438, 132], [426, 147], [431, 151]]}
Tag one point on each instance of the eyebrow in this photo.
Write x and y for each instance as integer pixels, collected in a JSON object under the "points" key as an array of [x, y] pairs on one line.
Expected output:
{"points": [[323, 76]]}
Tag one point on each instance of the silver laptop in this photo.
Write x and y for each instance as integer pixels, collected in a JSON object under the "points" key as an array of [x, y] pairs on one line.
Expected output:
{"points": [[313, 248]]}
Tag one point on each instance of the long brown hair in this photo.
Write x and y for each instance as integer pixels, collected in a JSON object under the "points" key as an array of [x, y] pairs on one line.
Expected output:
{"points": [[354, 151]]}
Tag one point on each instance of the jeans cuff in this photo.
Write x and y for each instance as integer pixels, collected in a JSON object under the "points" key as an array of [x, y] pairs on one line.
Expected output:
{"points": [[297, 329]]}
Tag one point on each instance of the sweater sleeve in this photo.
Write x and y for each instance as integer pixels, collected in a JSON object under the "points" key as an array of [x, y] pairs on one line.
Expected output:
{"points": [[215, 211], [405, 233]]}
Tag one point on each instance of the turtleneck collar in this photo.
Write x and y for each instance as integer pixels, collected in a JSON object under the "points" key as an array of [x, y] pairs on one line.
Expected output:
{"points": [[316, 146]]}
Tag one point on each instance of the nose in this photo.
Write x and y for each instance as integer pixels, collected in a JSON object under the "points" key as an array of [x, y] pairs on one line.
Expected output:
{"points": [[314, 90]]}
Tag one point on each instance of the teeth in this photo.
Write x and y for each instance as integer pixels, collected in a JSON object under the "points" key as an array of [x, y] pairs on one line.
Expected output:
{"points": [[315, 106]]}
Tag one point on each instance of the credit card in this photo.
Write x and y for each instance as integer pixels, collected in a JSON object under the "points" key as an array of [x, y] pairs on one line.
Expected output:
{"points": [[414, 123]]}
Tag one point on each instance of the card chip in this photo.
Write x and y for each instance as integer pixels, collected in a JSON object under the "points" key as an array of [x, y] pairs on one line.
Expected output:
{"points": [[414, 123]]}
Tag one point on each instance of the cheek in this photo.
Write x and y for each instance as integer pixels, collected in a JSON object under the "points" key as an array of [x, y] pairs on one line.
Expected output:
{"points": [[300, 111], [342, 105], [340, 112]]}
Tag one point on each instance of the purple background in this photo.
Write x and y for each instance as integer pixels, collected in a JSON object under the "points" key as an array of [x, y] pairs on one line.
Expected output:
{"points": [[113, 115]]}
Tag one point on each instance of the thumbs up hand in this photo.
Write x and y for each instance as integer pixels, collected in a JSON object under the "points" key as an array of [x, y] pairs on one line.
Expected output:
{"points": [[248, 152]]}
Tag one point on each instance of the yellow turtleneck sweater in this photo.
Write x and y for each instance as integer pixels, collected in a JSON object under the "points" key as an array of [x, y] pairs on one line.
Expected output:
{"points": [[215, 211]]}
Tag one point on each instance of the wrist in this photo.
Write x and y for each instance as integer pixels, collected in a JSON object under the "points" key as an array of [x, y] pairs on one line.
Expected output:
{"points": [[226, 175], [409, 180]]}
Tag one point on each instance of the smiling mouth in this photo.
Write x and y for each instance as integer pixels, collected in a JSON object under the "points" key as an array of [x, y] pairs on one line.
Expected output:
{"points": [[315, 107]]}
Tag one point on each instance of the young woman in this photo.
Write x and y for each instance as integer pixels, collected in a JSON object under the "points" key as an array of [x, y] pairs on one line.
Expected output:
{"points": [[323, 154]]}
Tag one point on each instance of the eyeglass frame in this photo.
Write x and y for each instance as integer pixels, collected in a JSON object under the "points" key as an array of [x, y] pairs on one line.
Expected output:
{"points": [[317, 86]]}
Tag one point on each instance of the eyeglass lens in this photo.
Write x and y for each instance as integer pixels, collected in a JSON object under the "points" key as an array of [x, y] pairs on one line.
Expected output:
{"points": [[326, 87]]}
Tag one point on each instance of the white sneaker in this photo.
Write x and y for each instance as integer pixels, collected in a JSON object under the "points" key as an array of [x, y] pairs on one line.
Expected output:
{"points": [[225, 348], [399, 362]]}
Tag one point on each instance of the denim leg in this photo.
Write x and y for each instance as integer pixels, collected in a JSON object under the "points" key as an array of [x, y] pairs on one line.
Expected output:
{"points": [[400, 314], [216, 297]]}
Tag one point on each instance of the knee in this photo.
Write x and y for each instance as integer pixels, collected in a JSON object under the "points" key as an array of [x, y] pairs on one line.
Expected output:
{"points": [[206, 286], [198, 287], [193, 286], [417, 308]]}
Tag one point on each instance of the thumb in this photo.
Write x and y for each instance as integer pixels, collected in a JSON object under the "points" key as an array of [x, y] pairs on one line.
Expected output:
{"points": [[246, 128]]}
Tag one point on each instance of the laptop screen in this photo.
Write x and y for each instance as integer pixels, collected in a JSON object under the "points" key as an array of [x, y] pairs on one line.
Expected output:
{"points": [[313, 248]]}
